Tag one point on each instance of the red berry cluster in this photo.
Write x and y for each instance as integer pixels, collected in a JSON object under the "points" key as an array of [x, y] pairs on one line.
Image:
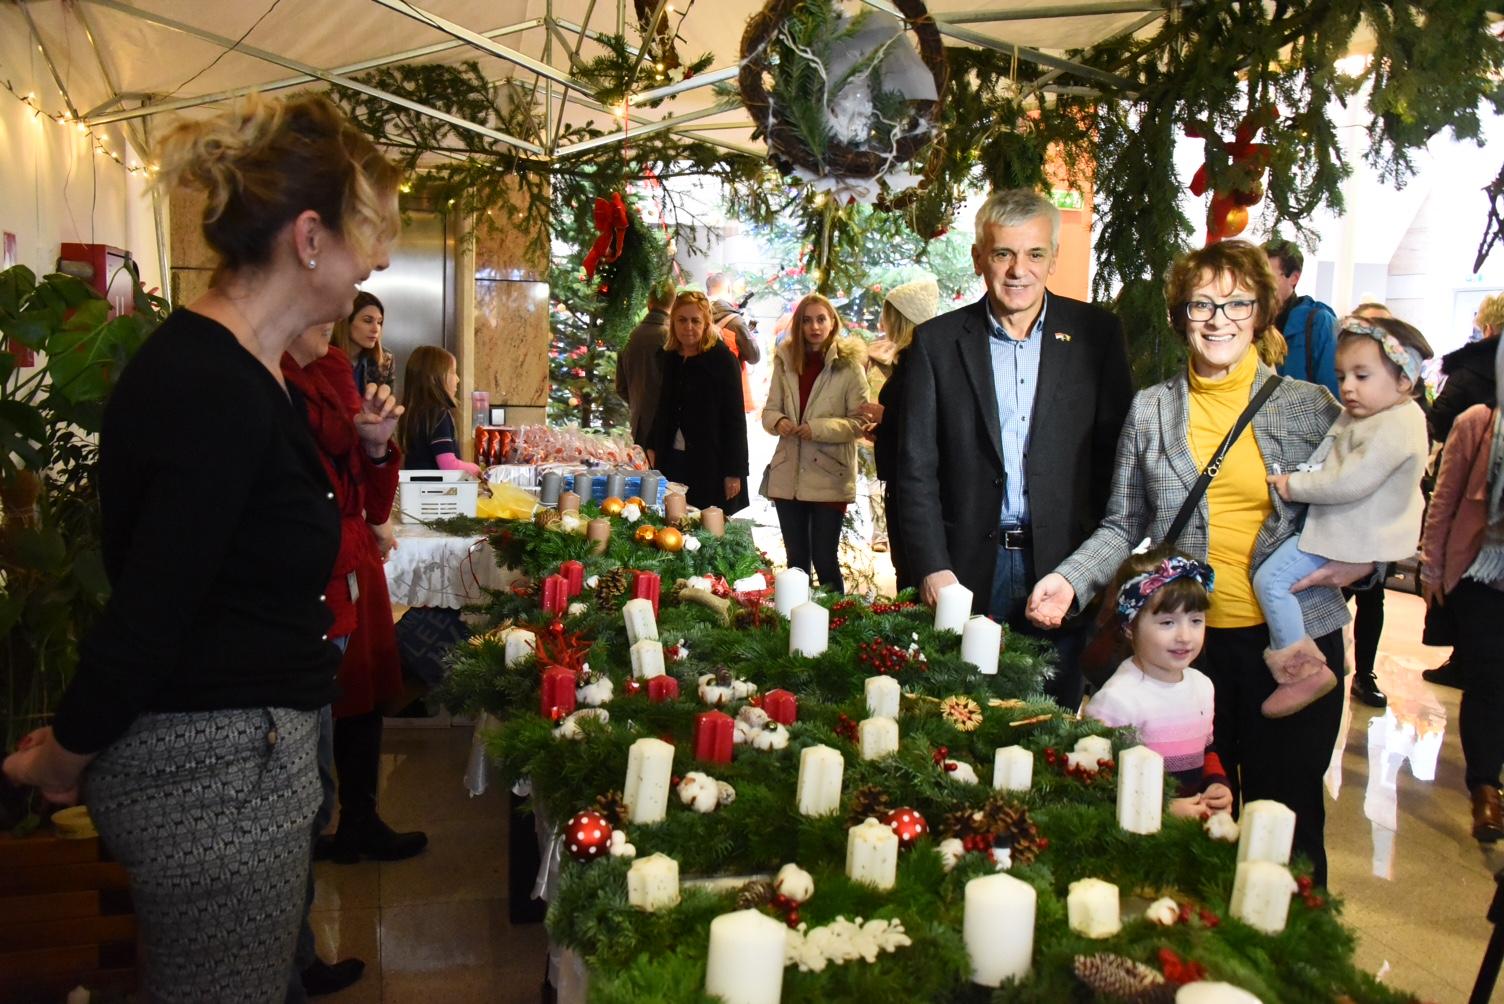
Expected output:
{"points": [[846, 728], [787, 907], [1308, 893], [892, 608], [881, 656], [837, 622], [941, 756], [1180, 971], [1201, 913], [1055, 758]]}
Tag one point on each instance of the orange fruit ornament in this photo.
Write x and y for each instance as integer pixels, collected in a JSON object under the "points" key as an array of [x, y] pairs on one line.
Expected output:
{"points": [[613, 506], [670, 539], [637, 501], [645, 535], [1237, 221]]}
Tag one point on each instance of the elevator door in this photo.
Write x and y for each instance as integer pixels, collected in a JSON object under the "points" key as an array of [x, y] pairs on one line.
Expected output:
{"points": [[417, 290]]}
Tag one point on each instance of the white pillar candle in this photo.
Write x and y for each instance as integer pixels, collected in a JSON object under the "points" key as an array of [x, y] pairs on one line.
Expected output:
{"points": [[999, 928], [981, 641], [872, 854], [1095, 747], [790, 588], [745, 964], [1092, 908], [521, 643], [650, 766], [642, 623], [1141, 789], [878, 737], [883, 693], [819, 790], [1261, 892], [1012, 768], [1266, 831], [952, 608], [1212, 992], [653, 882], [809, 630], [647, 659]]}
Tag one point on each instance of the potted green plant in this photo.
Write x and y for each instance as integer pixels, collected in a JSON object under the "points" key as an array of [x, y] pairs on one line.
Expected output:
{"points": [[52, 578]]}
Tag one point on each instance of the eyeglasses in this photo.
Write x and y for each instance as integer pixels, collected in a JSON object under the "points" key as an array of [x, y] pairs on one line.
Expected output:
{"points": [[1233, 310]]}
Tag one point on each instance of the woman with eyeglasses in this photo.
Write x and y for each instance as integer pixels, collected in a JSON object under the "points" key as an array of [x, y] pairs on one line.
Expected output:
{"points": [[1223, 300], [699, 436]]}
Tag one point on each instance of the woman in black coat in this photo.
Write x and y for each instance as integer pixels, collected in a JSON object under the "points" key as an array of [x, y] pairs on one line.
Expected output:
{"points": [[699, 436]]}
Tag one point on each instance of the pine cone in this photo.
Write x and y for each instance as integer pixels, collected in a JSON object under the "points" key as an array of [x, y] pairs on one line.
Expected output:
{"points": [[546, 518], [869, 801], [1118, 977], [612, 808], [682, 523], [753, 895], [613, 584], [1001, 822]]}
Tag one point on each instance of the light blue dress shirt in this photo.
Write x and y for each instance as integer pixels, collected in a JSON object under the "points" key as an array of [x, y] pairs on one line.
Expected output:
{"points": [[1015, 380]]}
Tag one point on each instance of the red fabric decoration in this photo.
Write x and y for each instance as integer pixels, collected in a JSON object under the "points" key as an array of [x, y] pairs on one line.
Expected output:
{"points": [[781, 706], [663, 688], [713, 736], [611, 225], [556, 696]]}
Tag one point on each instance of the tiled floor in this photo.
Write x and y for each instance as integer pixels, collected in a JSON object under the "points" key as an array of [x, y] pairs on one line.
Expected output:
{"points": [[435, 929]]}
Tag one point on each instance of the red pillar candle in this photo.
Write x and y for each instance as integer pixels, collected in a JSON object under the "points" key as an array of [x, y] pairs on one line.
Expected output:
{"points": [[555, 594], [574, 575], [781, 706], [663, 688], [645, 587], [713, 736], [557, 695]]}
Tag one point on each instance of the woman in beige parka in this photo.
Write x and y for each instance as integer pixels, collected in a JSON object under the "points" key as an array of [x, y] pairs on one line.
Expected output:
{"points": [[819, 386]]}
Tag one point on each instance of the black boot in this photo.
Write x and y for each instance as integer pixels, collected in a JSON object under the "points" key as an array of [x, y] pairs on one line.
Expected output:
{"points": [[325, 978], [1366, 689], [361, 833]]}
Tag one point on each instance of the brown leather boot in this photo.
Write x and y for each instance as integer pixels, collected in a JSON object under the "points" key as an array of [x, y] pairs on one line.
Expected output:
{"points": [[1488, 815]]}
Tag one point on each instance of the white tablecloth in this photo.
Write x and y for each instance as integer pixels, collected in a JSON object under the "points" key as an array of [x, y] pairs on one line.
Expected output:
{"points": [[432, 569]]}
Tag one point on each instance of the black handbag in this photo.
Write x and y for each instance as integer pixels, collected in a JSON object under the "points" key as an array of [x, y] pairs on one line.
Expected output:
{"points": [[1103, 649]]}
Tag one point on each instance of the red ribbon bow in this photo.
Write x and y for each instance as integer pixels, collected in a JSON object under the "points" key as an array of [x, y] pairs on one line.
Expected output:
{"points": [[611, 225]]}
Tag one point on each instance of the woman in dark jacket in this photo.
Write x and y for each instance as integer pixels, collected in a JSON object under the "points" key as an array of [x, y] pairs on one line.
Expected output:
{"points": [[699, 436]]}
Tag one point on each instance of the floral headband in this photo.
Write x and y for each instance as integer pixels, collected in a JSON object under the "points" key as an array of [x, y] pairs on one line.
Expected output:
{"points": [[1407, 359], [1137, 590]]}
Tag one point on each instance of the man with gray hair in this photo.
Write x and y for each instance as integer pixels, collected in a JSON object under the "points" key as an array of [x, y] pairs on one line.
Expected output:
{"points": [[1012, 408]]}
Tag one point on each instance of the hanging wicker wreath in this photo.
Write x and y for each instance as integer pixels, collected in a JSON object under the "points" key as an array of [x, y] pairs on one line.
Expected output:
{"points": [[787, 149]]}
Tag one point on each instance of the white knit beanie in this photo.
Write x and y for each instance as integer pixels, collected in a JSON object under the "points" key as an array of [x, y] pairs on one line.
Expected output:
{"points": [[918, 300]]}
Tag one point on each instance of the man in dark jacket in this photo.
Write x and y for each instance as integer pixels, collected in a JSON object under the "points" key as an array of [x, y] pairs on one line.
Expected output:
{"points": [[638, 368], [1469, 371], [1309, 326], [1012, 408]]}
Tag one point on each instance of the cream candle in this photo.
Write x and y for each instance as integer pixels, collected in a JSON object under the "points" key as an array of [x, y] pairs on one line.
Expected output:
{"points": [[1212, 992], [1096, 748], [981, 642], [1266, 832], [999, 928], [745, 964], [521, 643], [647, 659], [1261, 892], [790, 588], [872, 854], [882, 694], [1012, 768], [809, 630], [952, 608], [653, 882], [640, 620], [878, 737], [650, 766], [1141, 789], [819, 787], [1092, 908]]}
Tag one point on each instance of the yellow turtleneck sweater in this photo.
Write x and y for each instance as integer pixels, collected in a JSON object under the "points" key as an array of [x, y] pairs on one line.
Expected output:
{"points": [[1238, 498]]}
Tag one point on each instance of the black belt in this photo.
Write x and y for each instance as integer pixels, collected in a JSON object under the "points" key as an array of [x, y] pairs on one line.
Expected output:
{"points": [[1016, 539]]}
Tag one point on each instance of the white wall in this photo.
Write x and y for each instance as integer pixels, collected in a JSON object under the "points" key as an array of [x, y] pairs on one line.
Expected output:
{"points": [[53, 187]]}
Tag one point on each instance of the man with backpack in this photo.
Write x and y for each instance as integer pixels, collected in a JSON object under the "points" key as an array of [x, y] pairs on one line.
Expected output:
{"points": [[1309, 326]]}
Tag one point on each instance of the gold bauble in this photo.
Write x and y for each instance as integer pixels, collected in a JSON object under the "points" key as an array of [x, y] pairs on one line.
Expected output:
{"points": [[669, 539], [645, 535], [613, 506], [637, 501]]}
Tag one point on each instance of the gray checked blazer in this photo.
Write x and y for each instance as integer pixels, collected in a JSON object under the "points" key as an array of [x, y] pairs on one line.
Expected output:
{"points": [[1155, 472]]}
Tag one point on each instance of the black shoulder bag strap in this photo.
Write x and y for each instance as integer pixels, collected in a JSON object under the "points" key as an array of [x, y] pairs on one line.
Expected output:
{"points": [[1193, 499]]}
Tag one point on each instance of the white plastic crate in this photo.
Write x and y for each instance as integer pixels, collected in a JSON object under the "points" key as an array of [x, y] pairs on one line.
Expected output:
{"points": [[423, 496]]}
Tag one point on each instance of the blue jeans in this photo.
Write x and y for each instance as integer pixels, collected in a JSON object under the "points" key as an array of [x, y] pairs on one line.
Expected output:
{"points": [[1271, 583], [1012, 578]]}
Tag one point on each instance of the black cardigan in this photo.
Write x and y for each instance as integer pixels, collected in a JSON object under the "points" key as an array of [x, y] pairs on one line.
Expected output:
{"points": [[702, 396]]}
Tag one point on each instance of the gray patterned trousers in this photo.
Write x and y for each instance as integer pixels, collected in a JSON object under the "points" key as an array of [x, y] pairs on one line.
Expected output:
{"points": [[209, 812]]}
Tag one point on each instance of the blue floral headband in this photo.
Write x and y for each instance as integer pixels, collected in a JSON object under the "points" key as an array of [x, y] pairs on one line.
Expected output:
{"points": [[1137, 590], [1406, 358]]}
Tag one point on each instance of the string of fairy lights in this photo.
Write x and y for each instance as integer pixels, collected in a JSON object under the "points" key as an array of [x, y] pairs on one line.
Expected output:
{"points": [[100, 142]]}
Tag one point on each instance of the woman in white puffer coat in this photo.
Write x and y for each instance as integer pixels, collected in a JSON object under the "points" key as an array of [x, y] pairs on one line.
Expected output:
{"points": [[818, 387]]}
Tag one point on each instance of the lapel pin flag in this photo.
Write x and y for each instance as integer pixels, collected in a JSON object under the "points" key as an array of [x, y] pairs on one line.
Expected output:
{"points": [[1061, 336]]}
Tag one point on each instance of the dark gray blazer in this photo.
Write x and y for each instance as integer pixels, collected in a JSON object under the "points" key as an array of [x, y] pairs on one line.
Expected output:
{"points": [[1155, 471], [950, 455]]}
